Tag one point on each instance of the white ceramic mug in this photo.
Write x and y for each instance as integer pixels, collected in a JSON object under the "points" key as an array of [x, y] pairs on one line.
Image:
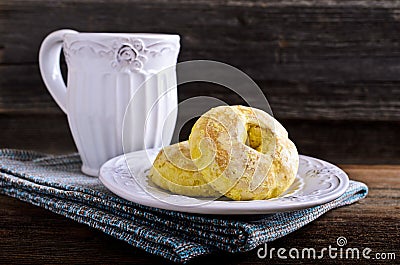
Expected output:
{"points": [[104, 72]]}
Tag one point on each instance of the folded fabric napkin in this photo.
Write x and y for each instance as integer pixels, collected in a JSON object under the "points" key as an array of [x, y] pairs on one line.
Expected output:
{"points": [[56, 183]]}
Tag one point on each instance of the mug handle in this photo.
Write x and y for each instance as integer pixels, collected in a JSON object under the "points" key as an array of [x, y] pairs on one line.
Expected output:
{"points": [[49, 64]]}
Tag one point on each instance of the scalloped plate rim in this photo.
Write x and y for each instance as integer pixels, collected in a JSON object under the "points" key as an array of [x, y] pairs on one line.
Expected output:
{"points": [[219, 207]]}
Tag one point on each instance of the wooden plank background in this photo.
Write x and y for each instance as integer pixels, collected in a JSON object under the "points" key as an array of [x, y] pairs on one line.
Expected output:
{"points": [[330, 68]]}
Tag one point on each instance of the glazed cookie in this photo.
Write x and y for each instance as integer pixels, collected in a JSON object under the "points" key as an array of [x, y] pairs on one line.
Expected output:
{"points": [[173, 170], [243, 153]]}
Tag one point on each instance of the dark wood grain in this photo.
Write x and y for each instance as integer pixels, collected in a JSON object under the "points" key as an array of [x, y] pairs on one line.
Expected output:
{"points": [[32, 235], [48, 134], [363, 101], [338, 142], [278, 40], [318, 60], [329, 68]]}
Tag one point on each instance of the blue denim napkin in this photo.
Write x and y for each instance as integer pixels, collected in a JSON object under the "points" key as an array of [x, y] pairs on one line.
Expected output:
{"points": [[56, 183]]}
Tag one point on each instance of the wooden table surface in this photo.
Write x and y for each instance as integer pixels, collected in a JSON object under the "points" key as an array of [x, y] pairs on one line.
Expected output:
{"points": [[329, 68], [29, 234]]}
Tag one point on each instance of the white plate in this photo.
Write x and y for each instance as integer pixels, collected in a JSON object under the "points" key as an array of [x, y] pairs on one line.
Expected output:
{"points": [[317, 182]]}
